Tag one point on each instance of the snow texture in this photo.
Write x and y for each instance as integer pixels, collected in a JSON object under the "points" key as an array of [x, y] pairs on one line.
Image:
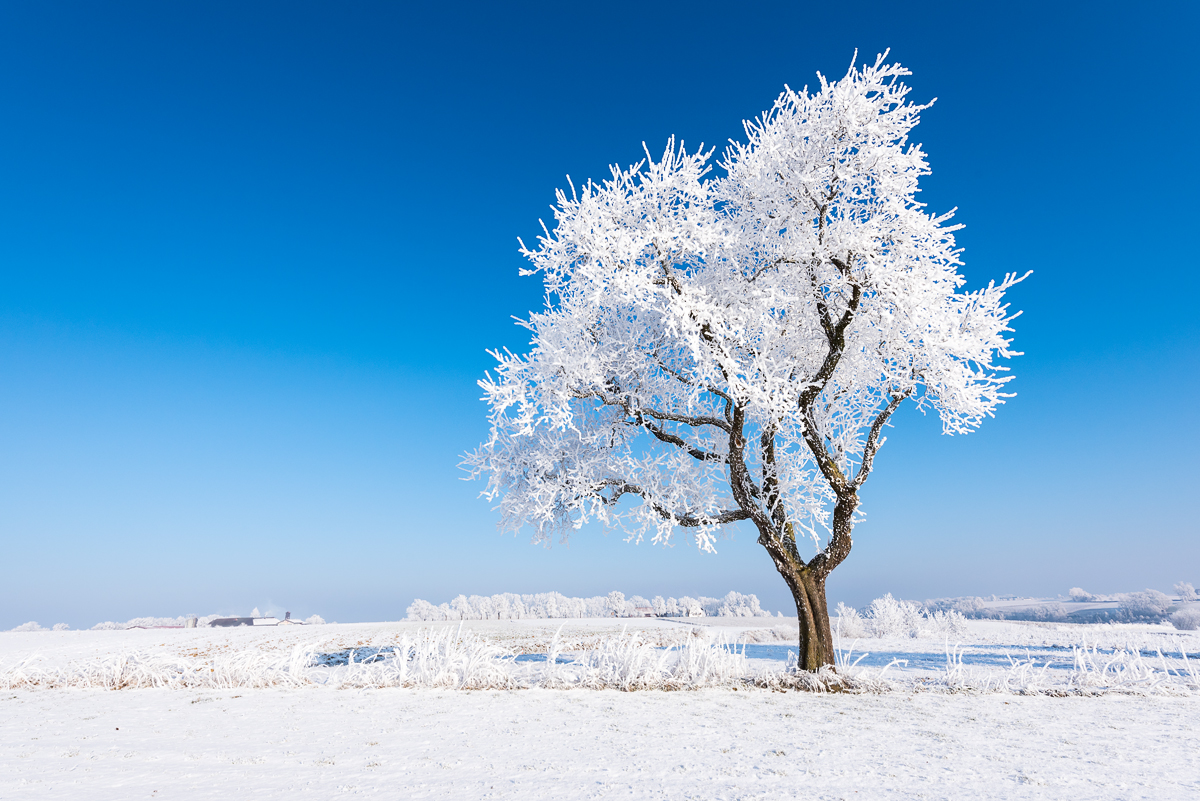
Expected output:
{"points": [[914, 740]]}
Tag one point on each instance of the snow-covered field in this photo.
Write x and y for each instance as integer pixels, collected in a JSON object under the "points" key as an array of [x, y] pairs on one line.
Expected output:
{"points": [[993, 721]]}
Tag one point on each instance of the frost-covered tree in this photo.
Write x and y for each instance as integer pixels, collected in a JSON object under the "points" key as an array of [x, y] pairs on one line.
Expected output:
{"points": [[724, 348]]}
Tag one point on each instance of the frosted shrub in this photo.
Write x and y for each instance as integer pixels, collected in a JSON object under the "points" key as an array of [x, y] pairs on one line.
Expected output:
{"points": [[1041, 612], [888, 617], [1187, 593], [737, 605], [1079, 595], [849, 623], [950, 623], [892, 618], [968, 607], [314, 620], [61, 627], [1150, 604], [151, 622], [30, 626], [1187, 619]]}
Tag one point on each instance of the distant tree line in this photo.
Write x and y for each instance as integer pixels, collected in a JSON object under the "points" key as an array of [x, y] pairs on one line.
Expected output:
{"points": [[511, 606]]}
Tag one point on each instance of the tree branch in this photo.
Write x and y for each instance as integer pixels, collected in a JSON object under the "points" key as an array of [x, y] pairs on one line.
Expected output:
{"points": [[770, 482], [740, 483], [681, 378], [822, 306], [687, 519], [825, 463], [812, 437], [872, 446], [781, 542], [679, 442], [692, 420]]}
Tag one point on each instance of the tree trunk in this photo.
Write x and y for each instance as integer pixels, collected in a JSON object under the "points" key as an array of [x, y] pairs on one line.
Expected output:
{"points": [[807, 583], [816, 636]]}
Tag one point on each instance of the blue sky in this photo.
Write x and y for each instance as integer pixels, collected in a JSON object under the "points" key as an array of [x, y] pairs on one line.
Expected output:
{"points": [[252, 258]]}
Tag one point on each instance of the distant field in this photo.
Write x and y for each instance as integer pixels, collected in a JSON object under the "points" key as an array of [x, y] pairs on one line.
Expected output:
{"points": [[929, 727]]}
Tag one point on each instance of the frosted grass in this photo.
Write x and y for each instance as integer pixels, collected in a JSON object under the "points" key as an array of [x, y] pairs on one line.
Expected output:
{"points": [[455, 659]]}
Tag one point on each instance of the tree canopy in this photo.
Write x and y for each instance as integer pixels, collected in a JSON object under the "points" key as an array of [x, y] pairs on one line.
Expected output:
{"points": [[730, 347]]}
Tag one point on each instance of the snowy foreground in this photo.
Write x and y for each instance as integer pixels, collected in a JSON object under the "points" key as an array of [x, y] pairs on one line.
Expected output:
{"points": [[1015, 711]]}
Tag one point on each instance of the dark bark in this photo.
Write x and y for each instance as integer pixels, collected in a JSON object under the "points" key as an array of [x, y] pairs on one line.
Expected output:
{"points": [[806, 581]]}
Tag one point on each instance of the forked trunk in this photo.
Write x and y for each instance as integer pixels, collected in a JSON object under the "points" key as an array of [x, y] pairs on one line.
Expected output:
{"points": [[807, 583], [816, 637]]}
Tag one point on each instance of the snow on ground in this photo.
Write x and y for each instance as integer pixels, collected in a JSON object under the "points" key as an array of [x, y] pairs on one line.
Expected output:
{"points": [[717, 743], [58, 648], [537, 744]]}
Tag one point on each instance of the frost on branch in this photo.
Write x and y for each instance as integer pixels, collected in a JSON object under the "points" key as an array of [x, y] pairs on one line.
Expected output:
{"points": [[723, 347]]}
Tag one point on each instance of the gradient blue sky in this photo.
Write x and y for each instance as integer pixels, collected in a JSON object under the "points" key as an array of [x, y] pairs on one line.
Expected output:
{"points": [[252, 255]]}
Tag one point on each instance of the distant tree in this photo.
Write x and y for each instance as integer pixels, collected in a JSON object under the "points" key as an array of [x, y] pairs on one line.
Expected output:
{"points": [[731, 348]]}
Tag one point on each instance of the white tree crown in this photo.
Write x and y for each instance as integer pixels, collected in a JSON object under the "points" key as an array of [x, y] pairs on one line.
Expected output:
{"points": [[729, 348]]}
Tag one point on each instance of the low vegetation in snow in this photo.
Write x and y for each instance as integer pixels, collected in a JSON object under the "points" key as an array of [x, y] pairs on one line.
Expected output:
{"points": [[1187, 619], [888, 617], [1102, 659], [150, 623], [1079, 606], [549, 605]]}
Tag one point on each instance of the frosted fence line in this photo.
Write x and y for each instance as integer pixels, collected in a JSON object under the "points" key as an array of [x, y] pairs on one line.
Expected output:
{"points": [[454, 659]]}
